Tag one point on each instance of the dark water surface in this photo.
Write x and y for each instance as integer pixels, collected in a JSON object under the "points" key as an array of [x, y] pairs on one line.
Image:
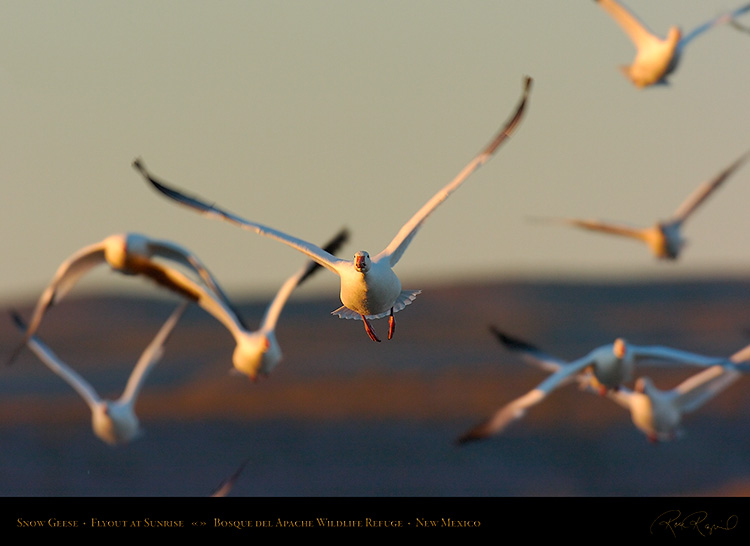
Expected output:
{"points": [[342, 416]]}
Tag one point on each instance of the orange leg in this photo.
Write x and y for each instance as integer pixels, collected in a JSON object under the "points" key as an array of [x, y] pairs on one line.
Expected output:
{"points": [[391, 325], [368, 328]]}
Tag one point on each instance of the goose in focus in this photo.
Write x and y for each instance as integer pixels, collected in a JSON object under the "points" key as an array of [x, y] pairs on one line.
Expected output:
{"points": [[606, 368], [113, 421], [657, 57], [129, 254], [664, 238], [369, 287]]}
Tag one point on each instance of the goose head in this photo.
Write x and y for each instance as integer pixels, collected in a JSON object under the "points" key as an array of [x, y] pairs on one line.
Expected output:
{"points": [[611, 365], [116, 251], [674, 35], [362, 261], [619, 348]]}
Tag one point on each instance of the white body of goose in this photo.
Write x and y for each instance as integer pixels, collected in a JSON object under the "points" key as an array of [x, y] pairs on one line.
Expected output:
{"points": [[113, 421], [657, 57]]}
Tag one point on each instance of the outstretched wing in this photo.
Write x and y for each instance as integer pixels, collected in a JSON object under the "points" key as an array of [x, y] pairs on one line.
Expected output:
{"points": [[703, 386], [174, 280], [532, 354], [180, 254], [604, 227], [722, 19], [518, 407], [638, 33], [69, 272], [49, 358], [151, 355], [667, 355], [212, 211], [274, 309], [401, 241], [704, 190], [698, 389], [331, 247], [503, 417]]}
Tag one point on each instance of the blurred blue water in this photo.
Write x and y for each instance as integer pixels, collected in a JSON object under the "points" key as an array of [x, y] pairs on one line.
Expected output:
{"points": [[569, 446]]}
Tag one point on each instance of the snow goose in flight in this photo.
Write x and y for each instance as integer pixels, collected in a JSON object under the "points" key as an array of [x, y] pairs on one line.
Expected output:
{"points": [[369, 287], [657, 57], [128, 253], [605, 368], [113, 421], [658, 413], [257, 352], [664, 239]]}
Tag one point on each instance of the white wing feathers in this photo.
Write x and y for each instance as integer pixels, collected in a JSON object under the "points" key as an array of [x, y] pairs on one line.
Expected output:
{"points": [[400, 242], [718, 20], [316, 253], [150, 356], [274, 309], [638, 33], [46, 355], [704, 190]]}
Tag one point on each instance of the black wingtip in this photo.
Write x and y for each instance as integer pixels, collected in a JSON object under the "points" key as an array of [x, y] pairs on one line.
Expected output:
{"points": [[331, 247], [193, 202], [467, 438], [21, 325], [511, 342], [510, 125], [17, 320], [141, 168], [334, 244], [138, 165]]}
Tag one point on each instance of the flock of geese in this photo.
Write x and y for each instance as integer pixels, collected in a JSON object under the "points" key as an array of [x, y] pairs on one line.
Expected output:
{"points": [[370, 289]]}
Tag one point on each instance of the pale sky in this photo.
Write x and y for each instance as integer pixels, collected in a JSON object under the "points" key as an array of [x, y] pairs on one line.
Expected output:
{"points": [[312, 115]]}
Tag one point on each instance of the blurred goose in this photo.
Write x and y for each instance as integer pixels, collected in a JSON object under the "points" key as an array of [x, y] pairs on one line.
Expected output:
{"points": [[262, 356], [225, 487], [664, 239], [369, 287], [657, 57], [113, 421], [129, 254], [256, 352], [609, 367], [658, 414]]}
